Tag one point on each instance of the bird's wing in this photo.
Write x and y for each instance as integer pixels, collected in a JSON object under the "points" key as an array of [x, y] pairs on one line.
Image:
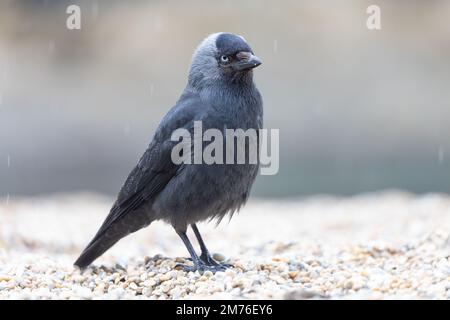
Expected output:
{"points": [[155, 168], [146, 180]]}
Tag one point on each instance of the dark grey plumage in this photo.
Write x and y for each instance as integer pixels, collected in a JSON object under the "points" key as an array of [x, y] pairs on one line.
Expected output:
{"points": [[222, 95]]}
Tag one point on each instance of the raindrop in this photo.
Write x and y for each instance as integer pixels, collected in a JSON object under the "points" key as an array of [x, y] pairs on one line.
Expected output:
{"points": [[8, 161], [126, 129], [275, 46], [441, 155], [4, 74], [157, 23], [94, 10], [1, 98], [152, 89], [51, 47], [7, 199]]}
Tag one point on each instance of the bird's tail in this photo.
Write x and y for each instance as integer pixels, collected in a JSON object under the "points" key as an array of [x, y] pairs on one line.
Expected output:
{"points": [[110, 234], [94, 250]]}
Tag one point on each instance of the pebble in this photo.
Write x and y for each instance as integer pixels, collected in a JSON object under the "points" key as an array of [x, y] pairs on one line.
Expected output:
{"points": [[310, 266], [165, 277], [218, 257], [4, 277]]}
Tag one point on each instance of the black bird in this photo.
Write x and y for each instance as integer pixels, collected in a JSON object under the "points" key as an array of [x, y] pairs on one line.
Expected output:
{"points": [[221, 94]]}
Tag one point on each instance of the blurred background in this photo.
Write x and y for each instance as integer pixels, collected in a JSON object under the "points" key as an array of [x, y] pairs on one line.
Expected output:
{"points": [[358, 110]]}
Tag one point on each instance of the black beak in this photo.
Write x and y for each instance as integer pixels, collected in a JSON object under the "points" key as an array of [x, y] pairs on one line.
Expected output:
{"points": [[246, 60]]}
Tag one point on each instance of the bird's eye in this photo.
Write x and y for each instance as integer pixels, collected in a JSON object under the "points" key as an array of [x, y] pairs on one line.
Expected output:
{"points": [[224, 59]]}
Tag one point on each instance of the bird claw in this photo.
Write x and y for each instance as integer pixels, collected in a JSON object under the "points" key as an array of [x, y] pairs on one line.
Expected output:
{"points": [[226, 265], [201, 267], [209, 261]]}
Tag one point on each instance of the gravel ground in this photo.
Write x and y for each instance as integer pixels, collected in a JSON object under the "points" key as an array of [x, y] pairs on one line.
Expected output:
{"points": [[390, 245]]}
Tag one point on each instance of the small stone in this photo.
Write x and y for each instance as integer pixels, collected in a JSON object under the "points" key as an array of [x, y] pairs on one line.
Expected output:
{"points": [[306, 280], [165, 288], [165, 277], [120, 267], [149, 283], [133, 286], [218, 257], [280, 259], [207, 274], [300, 295], [5, 277], [239, 283], [348, 285], [82, 292], [119, 279]]}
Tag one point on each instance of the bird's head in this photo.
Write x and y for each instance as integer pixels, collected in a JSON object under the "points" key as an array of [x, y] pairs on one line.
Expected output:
{"points": [[222, 56]]}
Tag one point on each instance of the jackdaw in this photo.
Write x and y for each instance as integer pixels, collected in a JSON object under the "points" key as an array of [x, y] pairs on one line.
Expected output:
{"points": [[222, 95]]}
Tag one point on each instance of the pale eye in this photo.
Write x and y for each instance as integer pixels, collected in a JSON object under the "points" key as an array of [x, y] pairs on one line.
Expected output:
{"points": [[224, 59]]}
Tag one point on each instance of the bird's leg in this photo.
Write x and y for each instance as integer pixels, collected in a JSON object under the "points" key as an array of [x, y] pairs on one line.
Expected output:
{"points": [[205, 256], [198, 264]]}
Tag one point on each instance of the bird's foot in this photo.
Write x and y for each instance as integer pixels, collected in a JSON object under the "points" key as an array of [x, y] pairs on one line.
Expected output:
{"points": [[209, 261], [202, 267]]}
